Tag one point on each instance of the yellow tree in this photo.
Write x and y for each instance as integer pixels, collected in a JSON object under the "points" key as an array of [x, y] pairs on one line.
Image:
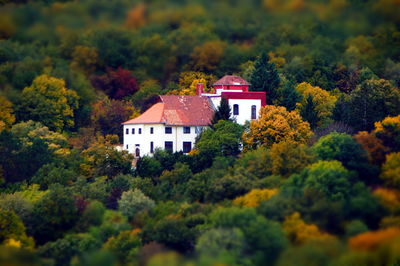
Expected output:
{"points": [[288, 158], [48, 101], [206, 57], [323, 100], [7, 117], [255, 197], [84, 59], [275, 125], [391, 170], [388, 130], [188, 81], [299, 232]]}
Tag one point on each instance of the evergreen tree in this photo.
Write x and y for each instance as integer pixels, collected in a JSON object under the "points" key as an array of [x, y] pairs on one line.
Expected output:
{"points": [[309, 113], [223, 112], [265, 78], [289, 96]]}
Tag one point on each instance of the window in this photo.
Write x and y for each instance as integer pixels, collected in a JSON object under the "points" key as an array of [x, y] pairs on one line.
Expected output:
{"points": [[140, 131], [187, 147], [133, 131], [253, 112], [151, 130], [235, 109], [127, 146], [169, 146], [168, 130], [127, 131], [186, 130], [151, 147], [198, 130]]}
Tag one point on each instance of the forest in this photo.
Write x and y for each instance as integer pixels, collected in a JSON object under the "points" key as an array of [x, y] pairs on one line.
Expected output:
{"points": [[314, 181]]}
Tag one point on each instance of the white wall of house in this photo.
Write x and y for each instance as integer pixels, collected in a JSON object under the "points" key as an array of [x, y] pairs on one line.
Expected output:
{"points": [[245, 106], [159, 137]]}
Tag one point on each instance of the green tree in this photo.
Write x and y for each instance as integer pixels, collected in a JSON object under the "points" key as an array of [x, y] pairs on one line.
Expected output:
{"points": [[124, 246], [48, 101], [372, 101], [12, 228], [265, 239], [391, 169], [265, 78], [134, 201], [223, 112], [309, 113], [52, 215], [344, 148], [289, 96]]}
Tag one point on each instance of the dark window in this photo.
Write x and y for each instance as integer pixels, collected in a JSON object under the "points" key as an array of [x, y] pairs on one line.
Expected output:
{"points": [[140, 131], [151, 147], [253, 112], [126, 146], [151, 130], [127, 131], [187, 147], [169, 146], [133, 131], [168, 130], [186, 130], [235, 109]]}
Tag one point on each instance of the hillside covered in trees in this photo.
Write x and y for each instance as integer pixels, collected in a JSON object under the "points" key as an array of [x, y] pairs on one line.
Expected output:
{"points": [[314, 181]]}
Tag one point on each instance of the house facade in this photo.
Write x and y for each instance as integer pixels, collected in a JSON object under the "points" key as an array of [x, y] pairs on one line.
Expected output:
{"points": [[174, 122]]}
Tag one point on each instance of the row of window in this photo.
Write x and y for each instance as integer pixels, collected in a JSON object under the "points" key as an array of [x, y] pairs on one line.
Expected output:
{"points": [[168, 130], [253, 111], [168, 146]]}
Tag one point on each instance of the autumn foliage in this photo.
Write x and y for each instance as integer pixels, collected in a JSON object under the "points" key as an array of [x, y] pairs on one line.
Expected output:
{"points": [[370, 241]]}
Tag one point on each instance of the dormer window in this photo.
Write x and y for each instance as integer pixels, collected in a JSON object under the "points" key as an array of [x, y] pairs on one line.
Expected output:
{"points": [[235, 109]]}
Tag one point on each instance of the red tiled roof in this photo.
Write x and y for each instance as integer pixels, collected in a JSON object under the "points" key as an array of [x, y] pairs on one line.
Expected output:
{"points": [[177, 110], [231, 80]]}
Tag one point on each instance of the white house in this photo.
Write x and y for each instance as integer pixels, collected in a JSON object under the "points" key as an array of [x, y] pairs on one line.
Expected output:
{"points": [[175, 120]]}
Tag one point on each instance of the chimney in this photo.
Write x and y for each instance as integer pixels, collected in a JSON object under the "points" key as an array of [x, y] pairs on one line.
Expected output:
{"points": [[199, 89]]}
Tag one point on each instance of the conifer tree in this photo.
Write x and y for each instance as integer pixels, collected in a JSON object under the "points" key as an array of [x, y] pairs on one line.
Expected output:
{"points": [[289, 96], [223, 112], [309, 113], [265, 78]]}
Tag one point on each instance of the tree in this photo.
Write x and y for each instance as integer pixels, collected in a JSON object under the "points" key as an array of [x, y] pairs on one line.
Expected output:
{"points": [[13, 229], [116, 84], [327, 177], [53, 214], [207, 56], [274, 125], [287, 158], [124, 246], [309, 113], [134, 201], [372, 101], [48, 101], [265, 78], [223, 112], [391, 170], [84, 59], [316, 102], [388, 130], [108, 115], [289, 96], [222, 140], [264, 238], [101, 158], [255, 197], [342, 147], [374, 147], [222, 245], [299, 232], [7, 117], [370, 241]]}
